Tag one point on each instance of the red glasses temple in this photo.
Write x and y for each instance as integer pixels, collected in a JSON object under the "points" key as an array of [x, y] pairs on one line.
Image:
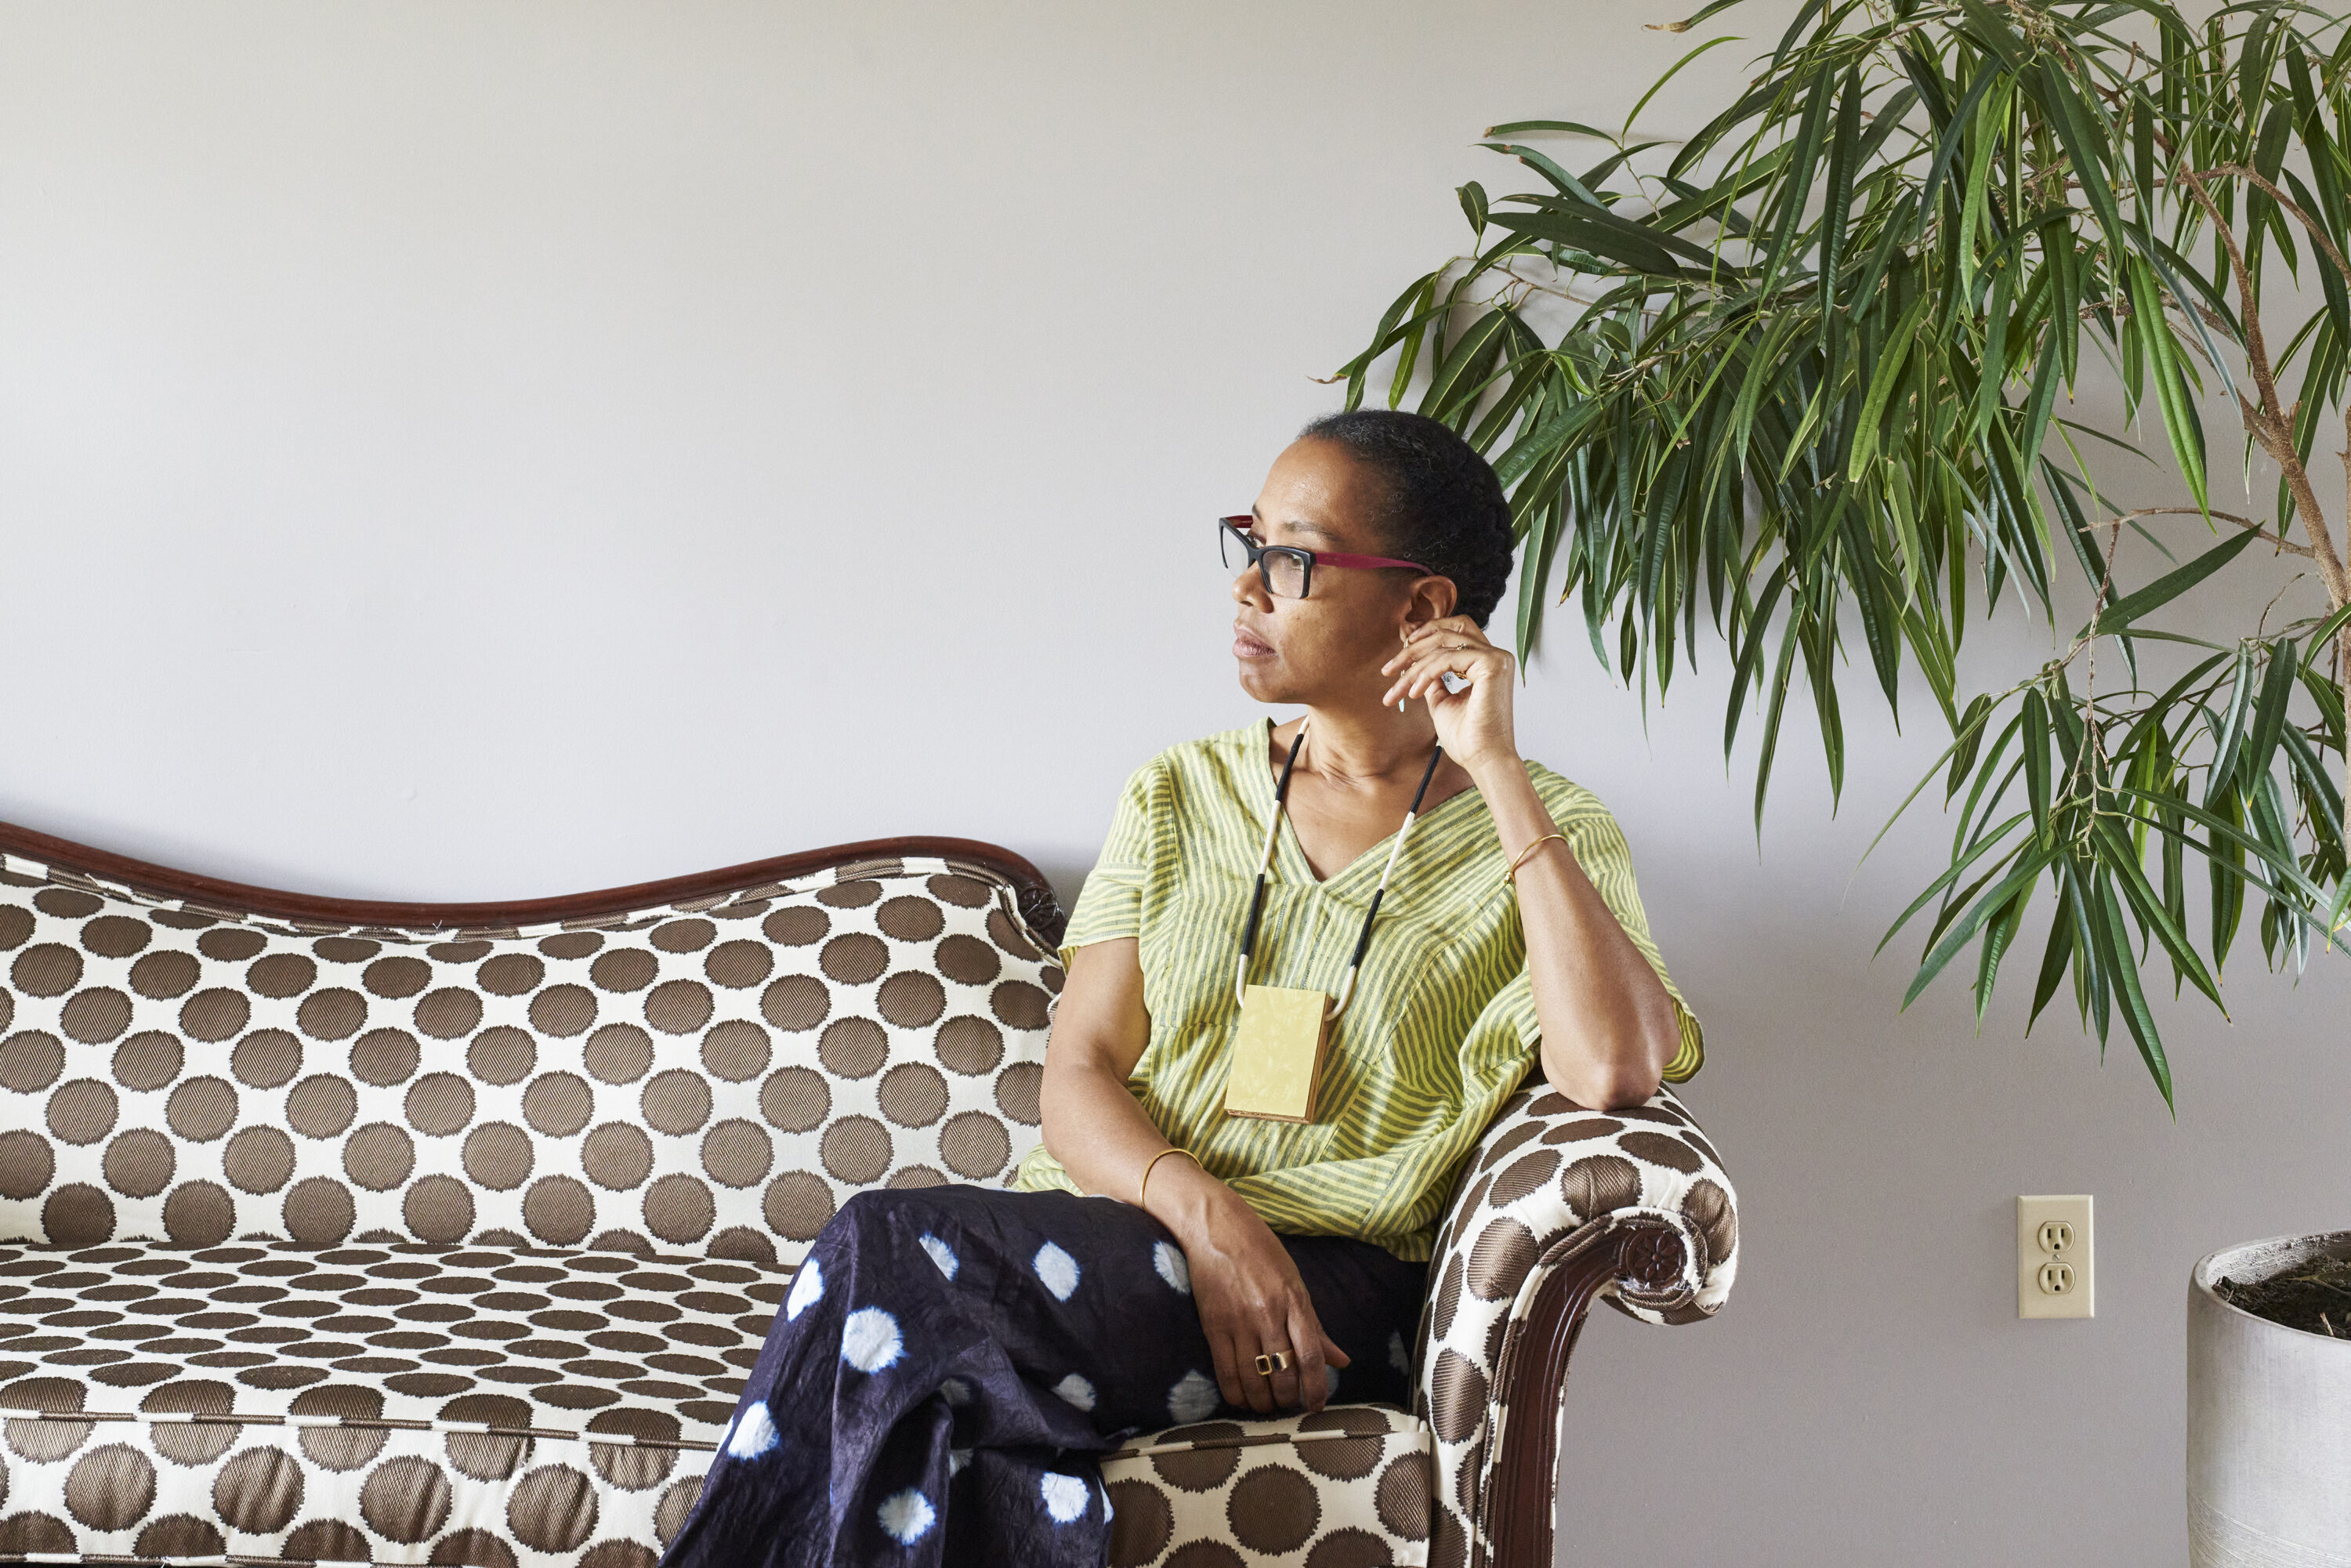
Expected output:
{"points": [[1241, 525]]}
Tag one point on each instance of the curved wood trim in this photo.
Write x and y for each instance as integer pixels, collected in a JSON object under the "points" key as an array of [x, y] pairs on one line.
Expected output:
{"points": [[1522, 1504], [1037, 904]]}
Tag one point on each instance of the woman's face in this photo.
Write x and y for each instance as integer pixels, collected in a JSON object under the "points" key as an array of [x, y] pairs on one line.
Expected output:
{"points": [[1327, 648]]}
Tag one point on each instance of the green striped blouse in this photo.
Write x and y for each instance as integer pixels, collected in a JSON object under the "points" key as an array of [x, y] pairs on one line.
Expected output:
{"points": [[1440, 1029]]}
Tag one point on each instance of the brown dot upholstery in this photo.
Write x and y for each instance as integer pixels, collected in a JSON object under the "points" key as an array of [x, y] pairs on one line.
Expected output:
{"points": [[187, 1078], [349, 1244], [1347, 1487], [1549, 1181]]}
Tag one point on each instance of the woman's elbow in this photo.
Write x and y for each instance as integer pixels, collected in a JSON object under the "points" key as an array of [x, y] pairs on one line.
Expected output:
{"points": [[1620, 1088], [1055, 1114], [1613, 1080], [1630, 1088]]}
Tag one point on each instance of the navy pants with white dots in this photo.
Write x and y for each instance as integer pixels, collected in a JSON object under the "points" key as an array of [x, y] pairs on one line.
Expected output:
{"points": [[951, 1363]]}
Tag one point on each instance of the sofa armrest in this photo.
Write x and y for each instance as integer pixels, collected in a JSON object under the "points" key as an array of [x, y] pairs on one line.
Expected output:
{"points": [[1558, 1207]]}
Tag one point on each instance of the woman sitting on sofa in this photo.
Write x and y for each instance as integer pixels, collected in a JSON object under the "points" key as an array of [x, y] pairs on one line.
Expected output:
{"points": [[1313, 961]]}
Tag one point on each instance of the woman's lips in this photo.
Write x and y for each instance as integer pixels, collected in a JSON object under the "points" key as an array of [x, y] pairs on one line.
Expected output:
{"points": [[1248, 647]]}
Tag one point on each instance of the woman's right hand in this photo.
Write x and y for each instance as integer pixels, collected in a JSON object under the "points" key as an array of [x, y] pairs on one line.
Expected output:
{"points": [[1248, 1294], [1247, 1291]]}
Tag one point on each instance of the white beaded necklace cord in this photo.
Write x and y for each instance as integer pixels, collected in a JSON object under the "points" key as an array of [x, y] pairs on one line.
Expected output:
{"points": [[1265, 863]]}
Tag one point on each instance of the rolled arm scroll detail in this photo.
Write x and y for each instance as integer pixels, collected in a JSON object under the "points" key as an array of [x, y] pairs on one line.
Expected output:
{"points": [[1560, 1206]]}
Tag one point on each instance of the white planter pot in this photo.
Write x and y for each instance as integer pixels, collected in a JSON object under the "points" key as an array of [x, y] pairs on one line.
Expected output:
{"points": [[2269, 1422]]}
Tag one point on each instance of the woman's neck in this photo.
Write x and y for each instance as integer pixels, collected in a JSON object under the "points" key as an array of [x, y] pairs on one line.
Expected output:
{"points": [[1367, 746]]}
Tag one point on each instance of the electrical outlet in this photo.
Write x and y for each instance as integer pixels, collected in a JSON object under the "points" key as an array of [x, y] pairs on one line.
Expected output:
{"points": [[2054, 1276]]}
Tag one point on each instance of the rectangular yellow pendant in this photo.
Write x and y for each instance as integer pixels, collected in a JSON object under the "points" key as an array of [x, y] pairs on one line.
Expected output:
{"points": [[1278, 1055]]}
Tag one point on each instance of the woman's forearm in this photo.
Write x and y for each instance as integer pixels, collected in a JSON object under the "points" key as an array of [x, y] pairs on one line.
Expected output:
{"points": [[1095, 1127], [1093, 1123], [1118, 1142], [1608, 1025]]}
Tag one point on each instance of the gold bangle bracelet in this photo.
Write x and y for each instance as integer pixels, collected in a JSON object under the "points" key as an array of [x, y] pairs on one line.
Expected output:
{"points": [[1143, 1187], [1512, 875]]}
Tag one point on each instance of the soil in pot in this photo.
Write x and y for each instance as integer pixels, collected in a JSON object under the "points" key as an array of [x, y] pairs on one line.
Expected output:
{"points": [[2313, 1296]]}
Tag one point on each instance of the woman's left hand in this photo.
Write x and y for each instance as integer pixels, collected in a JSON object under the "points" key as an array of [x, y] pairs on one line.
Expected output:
{"points": [[1474, 723]]}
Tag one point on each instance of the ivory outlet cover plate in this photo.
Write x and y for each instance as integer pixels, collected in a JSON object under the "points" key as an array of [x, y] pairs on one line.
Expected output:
{"points": [[2055, 1277]]}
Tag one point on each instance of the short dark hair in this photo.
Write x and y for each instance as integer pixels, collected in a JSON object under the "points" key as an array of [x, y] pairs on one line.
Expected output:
{"points": [[1445, 507]]}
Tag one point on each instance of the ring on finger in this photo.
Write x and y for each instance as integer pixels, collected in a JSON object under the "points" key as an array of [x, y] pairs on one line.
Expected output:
{"points": [[1272, 1362]]}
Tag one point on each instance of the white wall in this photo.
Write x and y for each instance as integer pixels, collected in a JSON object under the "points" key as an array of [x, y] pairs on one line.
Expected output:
{"points": [[506, 448]]}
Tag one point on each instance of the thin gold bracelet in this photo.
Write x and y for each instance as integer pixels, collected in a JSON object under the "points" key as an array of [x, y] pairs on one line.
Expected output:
{"points": [[1143, 1187], [1512, 875]]}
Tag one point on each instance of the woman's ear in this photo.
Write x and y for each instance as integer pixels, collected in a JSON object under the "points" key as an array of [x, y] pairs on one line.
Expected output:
{"points": [[1433, 599]]}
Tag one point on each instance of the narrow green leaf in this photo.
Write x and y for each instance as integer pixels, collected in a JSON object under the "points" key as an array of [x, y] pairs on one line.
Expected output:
{"points": [[2054, 957], [2118, 859], [1991, 31], [1950, 876], [2075, 127], [1994, 365], [2036, 763], [1561, 180], [2181, 425], [1882, 380], [1837, 201], [1473, 206], [2269, 714], [2231, 733], [2228, 834], [1466, 363], [1775, 703], [1533, 126], [1969, 741], [1956, 939], [1999, 931], [1675, 68], [2123, 612], [2326, 631], [1617, 241], [2136, 1018], [1799, 181], [2315, 781], [1951, 136]]}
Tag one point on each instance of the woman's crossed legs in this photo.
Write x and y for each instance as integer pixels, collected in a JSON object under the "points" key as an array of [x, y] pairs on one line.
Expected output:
{"points": [[950, 1362]]}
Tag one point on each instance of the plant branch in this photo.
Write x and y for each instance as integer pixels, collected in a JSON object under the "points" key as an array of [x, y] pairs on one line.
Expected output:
{"points": [[2274, 430], [2325, 241], [2251, 526], [2268, 420]]}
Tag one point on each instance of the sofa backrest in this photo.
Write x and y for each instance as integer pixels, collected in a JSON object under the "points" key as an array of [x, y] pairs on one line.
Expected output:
{"points": [[715, 1075]]}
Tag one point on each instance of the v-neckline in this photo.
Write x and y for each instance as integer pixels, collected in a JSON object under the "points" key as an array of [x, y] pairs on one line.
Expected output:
{"points": [[1286, 842]]}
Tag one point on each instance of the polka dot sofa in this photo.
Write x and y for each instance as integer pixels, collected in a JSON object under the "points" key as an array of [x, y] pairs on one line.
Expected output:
{"points": [[352, 1232]]}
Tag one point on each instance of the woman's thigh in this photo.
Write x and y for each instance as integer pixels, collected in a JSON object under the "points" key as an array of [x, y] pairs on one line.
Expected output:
{"points": [[1091, 1299], [1369, 1302]]}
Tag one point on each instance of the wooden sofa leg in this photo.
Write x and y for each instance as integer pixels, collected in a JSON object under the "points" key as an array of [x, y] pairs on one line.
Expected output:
{"points": [[1521, 1505]]}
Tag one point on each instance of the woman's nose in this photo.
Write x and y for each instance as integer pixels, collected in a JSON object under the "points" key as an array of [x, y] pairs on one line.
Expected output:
{"points": [[1248, 588]]}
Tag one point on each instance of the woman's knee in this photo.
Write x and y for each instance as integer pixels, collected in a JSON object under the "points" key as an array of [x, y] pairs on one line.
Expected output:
{"points": [[878, 1211]]}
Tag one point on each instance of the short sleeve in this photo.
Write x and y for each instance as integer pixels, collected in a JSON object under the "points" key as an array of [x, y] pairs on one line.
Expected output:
{"points": [[1607, 860], [1110, 906]]}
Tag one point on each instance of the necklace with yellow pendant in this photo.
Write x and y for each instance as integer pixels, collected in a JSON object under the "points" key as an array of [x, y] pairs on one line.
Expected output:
{"points": [[1285, 1033]]}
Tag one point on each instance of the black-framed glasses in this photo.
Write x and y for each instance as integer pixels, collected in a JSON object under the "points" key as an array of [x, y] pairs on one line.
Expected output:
{"points": [[1287, 571]]}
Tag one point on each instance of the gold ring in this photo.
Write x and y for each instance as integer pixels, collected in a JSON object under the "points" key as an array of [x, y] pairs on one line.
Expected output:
{"points": [[1273, 1362]]}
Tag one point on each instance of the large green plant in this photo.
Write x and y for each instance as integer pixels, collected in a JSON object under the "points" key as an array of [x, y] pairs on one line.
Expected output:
{"points": [[1810, 379]]}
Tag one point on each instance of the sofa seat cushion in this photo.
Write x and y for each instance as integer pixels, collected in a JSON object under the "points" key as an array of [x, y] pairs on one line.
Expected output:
{"points": [[392, 1403], [1346, 1487]]}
